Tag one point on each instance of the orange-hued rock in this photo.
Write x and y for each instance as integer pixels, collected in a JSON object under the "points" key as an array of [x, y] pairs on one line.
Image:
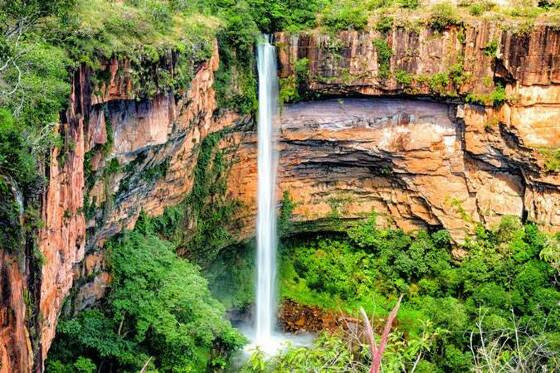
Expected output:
{"points": [[406, 160], [348, 62], [62, 239], [16, 354], [146, 135], [495, 166], [164, 128]]}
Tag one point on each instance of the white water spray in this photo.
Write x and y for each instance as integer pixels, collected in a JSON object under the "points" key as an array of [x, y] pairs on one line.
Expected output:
{"points": [[266, 216]]}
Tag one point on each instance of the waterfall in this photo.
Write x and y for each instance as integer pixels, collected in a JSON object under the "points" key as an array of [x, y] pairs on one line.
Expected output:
{"points": [[262, 332], [266, 192]]}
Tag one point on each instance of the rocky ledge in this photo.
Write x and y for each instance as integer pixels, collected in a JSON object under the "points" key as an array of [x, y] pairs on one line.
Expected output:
{"points": [[419, 164]]}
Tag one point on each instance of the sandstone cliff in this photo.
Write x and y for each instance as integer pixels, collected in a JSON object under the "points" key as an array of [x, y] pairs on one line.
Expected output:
{"points": [[111, 139], [424, 159], [425, 164]]}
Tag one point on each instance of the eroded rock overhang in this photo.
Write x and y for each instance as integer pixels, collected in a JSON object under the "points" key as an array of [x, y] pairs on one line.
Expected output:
{"points": [[406, 160]]}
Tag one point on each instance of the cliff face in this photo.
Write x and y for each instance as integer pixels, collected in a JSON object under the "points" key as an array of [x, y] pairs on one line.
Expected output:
{"points": [[427, 160], [98, 187], [118, 140], [424, 164], [424, 159], [406, 160], [15, 343]]}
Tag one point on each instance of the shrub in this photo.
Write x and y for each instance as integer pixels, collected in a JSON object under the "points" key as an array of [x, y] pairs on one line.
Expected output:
{"points": [[288, 90], [551, 159], [496, 97], [410, 4], [284, 15], [15, 159], [439, 83], [301, 67], [403, 77], [476, 9], [480, 7], [442, 16], [286, 211], [491, 48], [384, 54], [159, 311], [344, 15], [385, 24]]}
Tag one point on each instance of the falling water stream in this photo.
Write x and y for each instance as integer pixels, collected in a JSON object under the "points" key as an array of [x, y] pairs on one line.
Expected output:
{"points": [[266, 192], [262, 332]]}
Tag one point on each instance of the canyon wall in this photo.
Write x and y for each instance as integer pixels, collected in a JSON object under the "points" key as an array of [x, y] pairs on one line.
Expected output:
{"points": [[97, 188], [427, 159], [422, 159], [410, 162], [103, 185], [406, 160]]}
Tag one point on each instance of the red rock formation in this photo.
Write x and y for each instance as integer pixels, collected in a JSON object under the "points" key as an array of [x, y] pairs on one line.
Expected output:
{"points": [[167, 127], [496, 167], [404, 159], [15, 345], [62, 240]]}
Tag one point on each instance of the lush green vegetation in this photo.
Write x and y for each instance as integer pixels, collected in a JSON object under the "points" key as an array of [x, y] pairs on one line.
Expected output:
{"points": [[492, 307], [384, 53], [234, 288], [551, 159], [505, 284], [443, 15], [159, 314], [496, 97]]}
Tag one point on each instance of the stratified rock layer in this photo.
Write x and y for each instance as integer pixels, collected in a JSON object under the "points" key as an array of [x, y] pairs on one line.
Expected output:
{"points": [[406, 160], [497, 166]]}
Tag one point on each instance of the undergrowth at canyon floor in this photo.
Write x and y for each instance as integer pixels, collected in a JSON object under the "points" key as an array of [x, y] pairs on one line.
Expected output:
{"points": [[493, 304], [159, 314]]}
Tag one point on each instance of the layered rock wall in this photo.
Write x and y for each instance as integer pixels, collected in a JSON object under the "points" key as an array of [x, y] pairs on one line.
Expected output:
{"points": [[98, 187], [499, 163], [161, 133]]}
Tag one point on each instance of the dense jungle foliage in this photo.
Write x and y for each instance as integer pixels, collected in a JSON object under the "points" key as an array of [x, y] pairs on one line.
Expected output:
{"points": [[494, 309], [493, 305], [159, 315]]}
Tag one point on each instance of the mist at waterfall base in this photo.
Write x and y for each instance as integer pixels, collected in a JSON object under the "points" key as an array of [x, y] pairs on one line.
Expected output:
{"points": [[262, 332]]}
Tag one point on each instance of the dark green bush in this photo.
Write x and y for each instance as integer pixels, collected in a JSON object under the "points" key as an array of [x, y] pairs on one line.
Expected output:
{"points": [[15, 158], [491, 48], [442, 16], [384, 54], [344, 15], [385, 24]]}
